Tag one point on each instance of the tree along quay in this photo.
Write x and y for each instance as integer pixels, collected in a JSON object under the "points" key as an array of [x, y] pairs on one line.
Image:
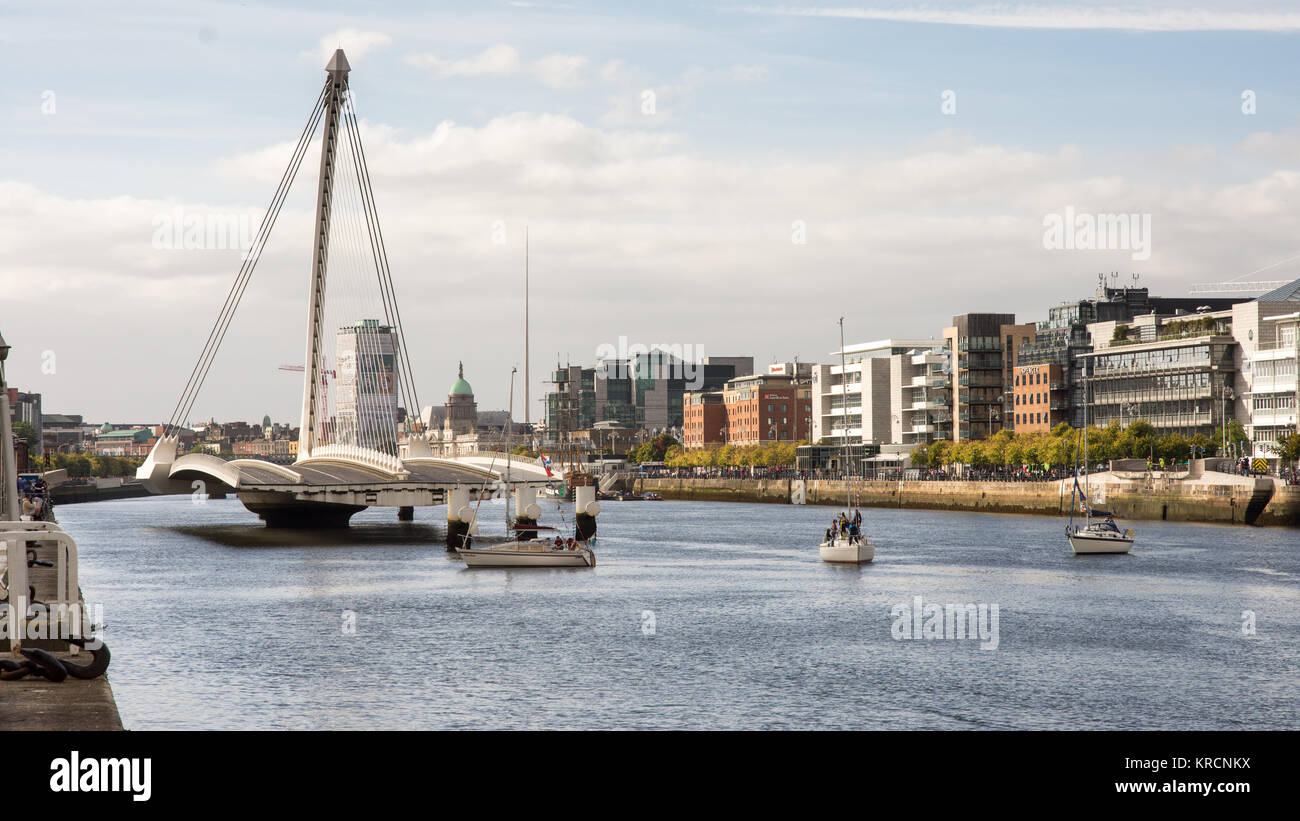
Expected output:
{"points": [[1211, 498]]}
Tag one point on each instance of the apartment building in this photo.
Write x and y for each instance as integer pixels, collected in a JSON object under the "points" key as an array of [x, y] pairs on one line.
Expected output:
{"points": [[1039, 398], [891, 391], [978, 377], [1267, 394]]}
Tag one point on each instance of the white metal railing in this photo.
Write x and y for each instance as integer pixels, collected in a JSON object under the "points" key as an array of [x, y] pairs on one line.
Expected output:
{"points": [[65, 615], [365, 456]]}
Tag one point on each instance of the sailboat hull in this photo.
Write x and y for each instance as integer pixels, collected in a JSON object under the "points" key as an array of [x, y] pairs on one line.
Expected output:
{"points": [[526, 555], [1086, 542], [841, 552]]}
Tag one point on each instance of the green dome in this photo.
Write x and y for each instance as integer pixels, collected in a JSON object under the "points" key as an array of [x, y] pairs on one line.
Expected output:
{"points": [[105, 428], [460, 387]]}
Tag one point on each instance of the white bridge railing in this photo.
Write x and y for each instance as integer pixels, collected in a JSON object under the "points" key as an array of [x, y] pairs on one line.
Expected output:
{"points": [[365, 456]]}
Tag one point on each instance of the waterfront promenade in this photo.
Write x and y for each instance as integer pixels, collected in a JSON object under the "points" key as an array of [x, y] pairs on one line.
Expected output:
{"points": [[37, 704]]}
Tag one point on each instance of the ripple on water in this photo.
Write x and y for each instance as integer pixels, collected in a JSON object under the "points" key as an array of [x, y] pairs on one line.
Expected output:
{"points": [[217, 622]]}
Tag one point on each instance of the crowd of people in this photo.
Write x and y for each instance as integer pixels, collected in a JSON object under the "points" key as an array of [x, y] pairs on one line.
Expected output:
{"points": [[845, 528], [36, 503], [1021, 474], [920, 474]]}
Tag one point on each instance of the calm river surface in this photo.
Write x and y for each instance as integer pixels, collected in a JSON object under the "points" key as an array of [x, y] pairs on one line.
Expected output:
{"points": [[216, 622]]}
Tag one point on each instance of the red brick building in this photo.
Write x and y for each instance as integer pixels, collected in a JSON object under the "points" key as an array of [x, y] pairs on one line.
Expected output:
{"points": [[704, 419], [766, 408]]}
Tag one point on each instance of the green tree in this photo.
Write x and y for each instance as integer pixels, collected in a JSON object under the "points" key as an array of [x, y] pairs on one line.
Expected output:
{"points": [[1205, 446], [1173, 447], [1288, 447], [25, 432], [1236, 437]]}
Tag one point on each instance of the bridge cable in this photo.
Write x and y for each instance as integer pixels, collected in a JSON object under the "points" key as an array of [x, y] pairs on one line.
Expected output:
{"points": [[177, 413], [199, 373], [385, 275]]}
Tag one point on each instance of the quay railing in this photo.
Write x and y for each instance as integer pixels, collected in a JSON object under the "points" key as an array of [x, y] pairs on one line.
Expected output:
{"points": [[64, 615]]}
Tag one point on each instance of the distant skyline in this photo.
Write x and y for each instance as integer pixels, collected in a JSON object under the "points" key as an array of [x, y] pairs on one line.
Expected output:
{"points": [[917, 150]]}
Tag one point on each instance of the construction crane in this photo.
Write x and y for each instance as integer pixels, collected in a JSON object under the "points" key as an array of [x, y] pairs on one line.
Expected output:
{"points": [[324, 383]]}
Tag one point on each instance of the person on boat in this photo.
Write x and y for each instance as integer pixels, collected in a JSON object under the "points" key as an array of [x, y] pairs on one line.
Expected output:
{"points": [[857, 517], [559, 543]]}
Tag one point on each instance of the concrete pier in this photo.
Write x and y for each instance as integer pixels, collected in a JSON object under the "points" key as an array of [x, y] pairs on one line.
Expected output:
{"points": [[37, 704]]}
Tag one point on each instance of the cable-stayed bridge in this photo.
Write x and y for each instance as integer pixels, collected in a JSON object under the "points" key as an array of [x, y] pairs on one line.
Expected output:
{"points": [[352, 451]]}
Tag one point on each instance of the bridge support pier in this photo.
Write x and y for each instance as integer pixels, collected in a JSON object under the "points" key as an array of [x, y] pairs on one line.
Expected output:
{"points": [[527, 512], [305, 516], [460, 517], [586, 508]]}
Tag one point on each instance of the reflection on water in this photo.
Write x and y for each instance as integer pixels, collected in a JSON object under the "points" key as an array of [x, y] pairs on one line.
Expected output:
{"points": [[217, 622], [245, 534]]}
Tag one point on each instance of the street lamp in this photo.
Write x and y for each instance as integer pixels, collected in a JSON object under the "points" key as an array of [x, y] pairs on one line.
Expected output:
{"points": [[1224, 395], [10, 469]]}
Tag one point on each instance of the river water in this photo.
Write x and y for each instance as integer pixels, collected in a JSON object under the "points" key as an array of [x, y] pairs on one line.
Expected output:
{"points": [[698, 615]]}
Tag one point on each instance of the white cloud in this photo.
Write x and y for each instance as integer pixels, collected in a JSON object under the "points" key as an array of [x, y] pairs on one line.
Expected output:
{"points": [[560, 70], [1059, 17], [494, 61], [356, 44], [554, 70], [618, 217]]}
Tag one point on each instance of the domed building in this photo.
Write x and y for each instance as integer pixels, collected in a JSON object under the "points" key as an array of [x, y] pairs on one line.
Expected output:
{"points": [[461, 410], [458, 433]]}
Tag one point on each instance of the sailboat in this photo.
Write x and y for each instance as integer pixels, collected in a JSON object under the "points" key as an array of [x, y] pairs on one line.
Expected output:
{"points": [[842, 548], [526, 552], [1098, 533]]}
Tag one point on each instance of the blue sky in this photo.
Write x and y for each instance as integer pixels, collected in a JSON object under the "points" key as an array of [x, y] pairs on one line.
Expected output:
{"points": [[666, 228]]}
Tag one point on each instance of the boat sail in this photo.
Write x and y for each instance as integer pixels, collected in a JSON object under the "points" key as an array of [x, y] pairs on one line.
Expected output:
{"points": [[1101, 535], [841, 546]]}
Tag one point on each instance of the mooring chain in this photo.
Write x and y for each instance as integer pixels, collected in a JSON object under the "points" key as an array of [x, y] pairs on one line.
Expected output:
{"points": [[44, 664]]}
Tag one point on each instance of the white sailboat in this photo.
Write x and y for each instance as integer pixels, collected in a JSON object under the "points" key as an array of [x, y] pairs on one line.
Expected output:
{"points": [[536, 552], [842, 548], [1098, 533]]}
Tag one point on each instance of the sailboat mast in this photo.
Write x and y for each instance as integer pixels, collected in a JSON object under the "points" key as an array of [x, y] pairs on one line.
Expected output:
{"points": [[844, 388], [510, 418], [1087, 474], [526, 383]]}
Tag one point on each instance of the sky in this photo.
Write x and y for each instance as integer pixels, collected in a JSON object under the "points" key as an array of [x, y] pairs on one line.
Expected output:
{"points": [[893, 163]]}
